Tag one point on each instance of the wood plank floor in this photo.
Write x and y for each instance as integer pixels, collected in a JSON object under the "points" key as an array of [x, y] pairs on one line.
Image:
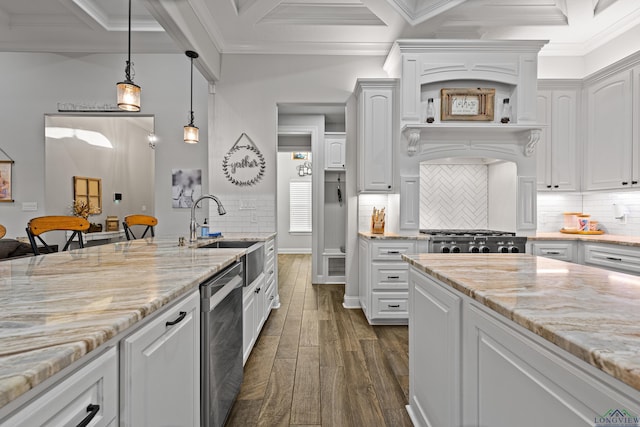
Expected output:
{"points": [[318, 364]]}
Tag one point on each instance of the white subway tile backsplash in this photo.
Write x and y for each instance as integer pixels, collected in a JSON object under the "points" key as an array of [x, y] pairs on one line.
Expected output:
{"points": [[261, 219]]}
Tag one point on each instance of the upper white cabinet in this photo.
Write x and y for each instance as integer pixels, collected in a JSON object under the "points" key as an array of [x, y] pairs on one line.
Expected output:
{"points": [[611, 150], [377, 133], [161, 369], [335, 151], [557, 150]]}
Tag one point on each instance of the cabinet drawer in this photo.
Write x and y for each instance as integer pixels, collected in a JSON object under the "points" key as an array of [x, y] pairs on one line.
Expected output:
{"points": [[391, 250], [269, 247], [627, 260], [392, 276], [67, 403], [561, 251], [390, 305], [270, 295]]}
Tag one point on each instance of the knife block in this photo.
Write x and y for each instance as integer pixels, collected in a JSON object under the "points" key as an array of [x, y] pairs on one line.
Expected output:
{"points": [[377, 227]]}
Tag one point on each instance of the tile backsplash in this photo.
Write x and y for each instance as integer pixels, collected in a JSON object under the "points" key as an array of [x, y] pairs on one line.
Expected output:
{"points": [[598, 205], [453, 196], [256, 213]]}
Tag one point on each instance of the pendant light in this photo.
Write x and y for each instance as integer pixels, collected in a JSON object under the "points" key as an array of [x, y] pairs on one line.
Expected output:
{"points": [[191, 132], [128, 92]]}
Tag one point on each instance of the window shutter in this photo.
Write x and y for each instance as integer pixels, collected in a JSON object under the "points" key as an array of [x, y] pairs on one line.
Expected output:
{"points": [[300, 206]]}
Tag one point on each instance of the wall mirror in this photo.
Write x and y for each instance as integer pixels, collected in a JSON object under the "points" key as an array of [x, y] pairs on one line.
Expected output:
{"points": [[109, 154]]}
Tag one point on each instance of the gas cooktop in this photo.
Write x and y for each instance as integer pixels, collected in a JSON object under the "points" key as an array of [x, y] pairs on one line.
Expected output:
{"points": [[466, 233]]}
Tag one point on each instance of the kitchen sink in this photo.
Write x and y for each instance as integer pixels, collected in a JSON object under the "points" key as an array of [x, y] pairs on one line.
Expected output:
{"points": [[230, 244]]}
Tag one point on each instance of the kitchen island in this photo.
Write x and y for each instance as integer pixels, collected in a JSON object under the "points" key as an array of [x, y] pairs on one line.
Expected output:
{"points": [[513, 339], [61, 311]]}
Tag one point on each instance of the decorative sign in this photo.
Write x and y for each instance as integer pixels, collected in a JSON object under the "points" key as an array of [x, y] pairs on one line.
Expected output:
{"points": [[467, 104], [244, 165], [71, 107]]}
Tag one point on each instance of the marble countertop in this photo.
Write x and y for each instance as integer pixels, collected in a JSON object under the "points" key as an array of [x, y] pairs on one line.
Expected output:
{"points": [[392, 236], [57, 308], [613, 239], [592, 313]]}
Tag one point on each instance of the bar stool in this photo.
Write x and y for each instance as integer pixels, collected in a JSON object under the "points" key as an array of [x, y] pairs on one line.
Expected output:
{"points": [[131, 220], [3, 231], [44, 224]]}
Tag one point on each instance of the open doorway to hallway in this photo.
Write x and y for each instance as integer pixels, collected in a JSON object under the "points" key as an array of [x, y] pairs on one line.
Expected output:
{"points": [[311, 186]]}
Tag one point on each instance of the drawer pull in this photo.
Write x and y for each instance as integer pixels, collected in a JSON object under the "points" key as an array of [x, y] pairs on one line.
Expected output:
{"points": [[393, 252], [610, 258], [92, 412], [180, 318], [258, 290], [270, 249], [393, 277], [552, 253], [393, 305]]}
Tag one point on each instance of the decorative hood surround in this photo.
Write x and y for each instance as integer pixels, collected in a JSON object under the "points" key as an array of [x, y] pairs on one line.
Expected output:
{"points": [[425, 67]]}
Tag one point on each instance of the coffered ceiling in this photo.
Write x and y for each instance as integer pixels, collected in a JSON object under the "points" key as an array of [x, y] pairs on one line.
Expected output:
{"points": [[362, 27]]}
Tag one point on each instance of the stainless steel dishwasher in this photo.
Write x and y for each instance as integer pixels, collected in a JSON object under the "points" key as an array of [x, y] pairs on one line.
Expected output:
{"points": [[221, 344]]}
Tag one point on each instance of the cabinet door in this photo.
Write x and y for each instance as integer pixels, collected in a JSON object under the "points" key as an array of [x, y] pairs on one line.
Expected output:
{"points": [[162, 369], [564, 115], [248, 322], [335, 153], [434, 353], [609, 133], [259, 303], [363, 273], [544, 146], [376, 140]]}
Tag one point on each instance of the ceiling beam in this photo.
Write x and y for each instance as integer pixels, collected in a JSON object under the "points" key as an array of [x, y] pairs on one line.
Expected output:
{"points": [[181, 21]]}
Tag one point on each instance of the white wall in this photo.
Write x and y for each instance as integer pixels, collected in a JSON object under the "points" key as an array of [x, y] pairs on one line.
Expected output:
{"points": [[246, 100], [289, 242], [33, 83]]}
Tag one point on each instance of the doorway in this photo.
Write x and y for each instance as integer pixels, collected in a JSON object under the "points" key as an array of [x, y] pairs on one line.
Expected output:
{"points": [[311, 184]]}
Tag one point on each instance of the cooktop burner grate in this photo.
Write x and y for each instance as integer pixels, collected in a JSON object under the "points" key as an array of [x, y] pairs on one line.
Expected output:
{"points": [[466, 233]]}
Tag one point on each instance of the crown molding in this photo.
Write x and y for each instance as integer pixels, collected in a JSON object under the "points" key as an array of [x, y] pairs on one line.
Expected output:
{"points": [[308, 48]]}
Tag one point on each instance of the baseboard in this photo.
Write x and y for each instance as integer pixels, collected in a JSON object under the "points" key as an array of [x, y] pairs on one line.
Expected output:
{"points": [[351, 302], [294, 251]]}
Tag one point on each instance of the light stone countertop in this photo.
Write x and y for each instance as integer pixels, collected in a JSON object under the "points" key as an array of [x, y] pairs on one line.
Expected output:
{"points": [[57, 308], [612, 239], [592, 313], [392, 236]]}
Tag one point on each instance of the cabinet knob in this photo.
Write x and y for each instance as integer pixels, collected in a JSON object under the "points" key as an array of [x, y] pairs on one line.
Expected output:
{"points": [[548, 186], [625, 183], [556, 186], [389, 187], [634, 182]]}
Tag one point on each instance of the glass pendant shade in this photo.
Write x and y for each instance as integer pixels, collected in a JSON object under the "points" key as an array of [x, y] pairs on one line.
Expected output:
{"points": [[191, 134], [128, 94]]}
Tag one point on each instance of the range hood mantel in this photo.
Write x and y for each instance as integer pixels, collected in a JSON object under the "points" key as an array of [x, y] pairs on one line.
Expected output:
{"points": [[527, 135]]}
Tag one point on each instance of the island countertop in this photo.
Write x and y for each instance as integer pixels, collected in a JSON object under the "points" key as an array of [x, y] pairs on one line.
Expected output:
{"points": [[57, 308], [591, 313]]}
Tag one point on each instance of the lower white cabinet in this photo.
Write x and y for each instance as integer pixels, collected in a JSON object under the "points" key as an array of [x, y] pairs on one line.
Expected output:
{"points": [[469, 366], [90, 394], [383, 281], [161, 369], [612, 257], [562, 250]]}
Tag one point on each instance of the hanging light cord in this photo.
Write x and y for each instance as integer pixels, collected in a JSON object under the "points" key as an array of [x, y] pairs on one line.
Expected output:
{"points": [[127, 70], [191, 118]]}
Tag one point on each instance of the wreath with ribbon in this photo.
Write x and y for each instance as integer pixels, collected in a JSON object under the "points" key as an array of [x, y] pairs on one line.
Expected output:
{"points": [[233, 161]]}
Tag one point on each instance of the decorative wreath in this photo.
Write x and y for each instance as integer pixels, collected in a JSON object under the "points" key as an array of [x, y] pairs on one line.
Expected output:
{"points": [[251, 146]]}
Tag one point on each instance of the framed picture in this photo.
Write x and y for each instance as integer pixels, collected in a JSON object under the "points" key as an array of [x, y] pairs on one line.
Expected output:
{"points": [[300, 156], [5, 181], [467, 104], [186, 187]]}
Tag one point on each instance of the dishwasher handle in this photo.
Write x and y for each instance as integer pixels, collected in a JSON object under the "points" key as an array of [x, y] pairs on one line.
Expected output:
{"points": [[219, 294]]}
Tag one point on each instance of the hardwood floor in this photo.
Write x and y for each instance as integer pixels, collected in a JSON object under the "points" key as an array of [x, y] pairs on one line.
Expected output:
{"points": [[318, 364]]}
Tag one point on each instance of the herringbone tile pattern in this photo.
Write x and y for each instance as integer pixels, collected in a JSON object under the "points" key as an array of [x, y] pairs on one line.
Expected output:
{"points": [[453, 196]]}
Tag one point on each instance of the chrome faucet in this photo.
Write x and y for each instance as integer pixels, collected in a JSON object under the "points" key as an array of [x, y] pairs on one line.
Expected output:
{"points": [[193, 225]]}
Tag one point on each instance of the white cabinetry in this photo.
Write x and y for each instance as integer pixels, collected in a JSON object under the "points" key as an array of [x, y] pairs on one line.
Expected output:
{"points": [[470, 366], [335, 151], [384, 280], [161, 369], [258, 299], [434, 353], [561, 250], [612, 257], [557, 150], [611, 150], [89, 394], [378, 131]]}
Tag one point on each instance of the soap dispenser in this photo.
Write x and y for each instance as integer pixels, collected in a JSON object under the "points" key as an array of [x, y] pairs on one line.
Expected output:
{"points": [[204, 230]]}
